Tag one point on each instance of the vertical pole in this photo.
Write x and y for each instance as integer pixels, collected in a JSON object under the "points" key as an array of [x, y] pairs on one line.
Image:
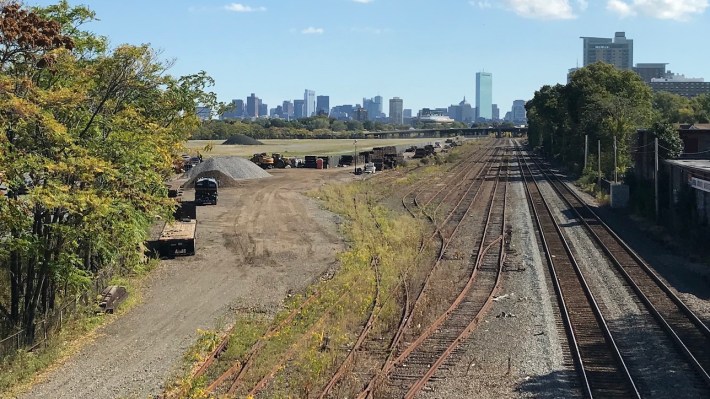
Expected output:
{"points": [[355, 144], [586, 150], [615, 172], [655, 179], [599, 163]]}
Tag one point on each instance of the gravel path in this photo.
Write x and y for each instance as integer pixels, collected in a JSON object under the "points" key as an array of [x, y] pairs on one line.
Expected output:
{"points": [[658, 370], [517, 351], [261, 242]]}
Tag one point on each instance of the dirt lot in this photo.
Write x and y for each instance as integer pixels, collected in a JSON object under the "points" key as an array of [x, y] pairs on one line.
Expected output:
{"points": [[263, 240]]}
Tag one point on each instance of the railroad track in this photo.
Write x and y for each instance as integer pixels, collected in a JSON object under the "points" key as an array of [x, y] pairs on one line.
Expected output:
{"points": [[422, 358], [685, 329], [601, 368], [447, 233]]}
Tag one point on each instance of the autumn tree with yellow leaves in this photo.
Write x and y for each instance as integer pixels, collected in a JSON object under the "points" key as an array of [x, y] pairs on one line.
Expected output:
{"points": [[88, 136]]}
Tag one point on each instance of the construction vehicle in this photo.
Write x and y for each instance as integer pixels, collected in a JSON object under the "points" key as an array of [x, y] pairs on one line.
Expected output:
{"points": [[263, 160], [206, 191], [172, 239]]}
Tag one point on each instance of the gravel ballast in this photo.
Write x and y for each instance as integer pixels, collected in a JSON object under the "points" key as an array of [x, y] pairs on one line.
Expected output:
{"points": [[656, 367], [518, 351]]}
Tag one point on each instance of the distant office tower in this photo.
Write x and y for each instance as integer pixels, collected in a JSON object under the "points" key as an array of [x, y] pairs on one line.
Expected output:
{"points": [[287, 109], [204, 113], [496, 112], [518, 113], [322, 105], [373, 106], [650, 71], [299, 109], [309, 103], [360, 114], [407, 113], [396, 108], [468, 113], [236, 110], [253, 106], [343, 112], [263, 109], [484, 96], [278, 112], [618, 51]]}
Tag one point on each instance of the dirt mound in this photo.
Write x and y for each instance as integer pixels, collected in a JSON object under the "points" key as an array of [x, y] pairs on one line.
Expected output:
{"points": [[240, 139], [226, 170]]}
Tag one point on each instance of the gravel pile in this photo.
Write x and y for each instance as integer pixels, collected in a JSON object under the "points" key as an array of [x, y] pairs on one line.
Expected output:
{"points": [[226, 170], [240, 139]]}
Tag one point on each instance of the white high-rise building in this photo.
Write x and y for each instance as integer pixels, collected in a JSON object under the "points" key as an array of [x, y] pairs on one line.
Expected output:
{"points": [[309, 103], [396, 111]]}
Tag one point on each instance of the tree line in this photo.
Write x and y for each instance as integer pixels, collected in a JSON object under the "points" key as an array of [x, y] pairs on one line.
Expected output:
{"points": [[88, 137], [607, 105], [318, 127]]}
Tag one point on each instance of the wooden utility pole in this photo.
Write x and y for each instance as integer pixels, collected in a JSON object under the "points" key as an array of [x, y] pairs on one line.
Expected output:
{"points": [[599, 163], [616, 180], [586, 150], [655, 179]]}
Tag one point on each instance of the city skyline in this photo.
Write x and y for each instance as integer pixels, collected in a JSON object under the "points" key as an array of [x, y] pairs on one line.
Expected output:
{"points": [[277, 48]]}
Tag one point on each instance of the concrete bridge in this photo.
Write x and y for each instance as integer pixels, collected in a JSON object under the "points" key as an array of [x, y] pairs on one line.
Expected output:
{"points": [[498, 131]]}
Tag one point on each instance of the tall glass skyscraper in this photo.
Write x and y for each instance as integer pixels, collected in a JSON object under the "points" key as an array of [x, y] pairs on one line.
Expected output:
{"points": [[309, 103], [484, 95]]}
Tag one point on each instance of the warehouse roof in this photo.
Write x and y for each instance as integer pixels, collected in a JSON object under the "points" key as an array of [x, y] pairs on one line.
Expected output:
{"points": [[697, 165]]}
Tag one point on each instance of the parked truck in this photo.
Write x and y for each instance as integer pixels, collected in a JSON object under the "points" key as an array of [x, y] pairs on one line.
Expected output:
{"points": [[206, 191], [172, 239]]}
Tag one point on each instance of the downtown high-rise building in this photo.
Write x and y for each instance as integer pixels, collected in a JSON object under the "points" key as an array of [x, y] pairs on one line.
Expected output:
{"points": [[322, 105], [287, 110], [253, 103], [299, 109], [518, 112], [309, 103], [236, 110], [396, 111], [373, 106], [263, 109], [484, 96], [618, 51]]}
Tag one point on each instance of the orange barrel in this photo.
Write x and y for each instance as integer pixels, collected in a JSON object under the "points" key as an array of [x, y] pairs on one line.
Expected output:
{"points": [[319, 163]]}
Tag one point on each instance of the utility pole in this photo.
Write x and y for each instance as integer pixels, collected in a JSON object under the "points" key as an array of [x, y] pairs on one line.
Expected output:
{"points": [[599, 163], [615, 172], [655, 180], [586, 151]]}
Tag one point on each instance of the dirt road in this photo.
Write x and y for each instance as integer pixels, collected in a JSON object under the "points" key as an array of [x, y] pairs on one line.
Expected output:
{"points": [[263, 240]]}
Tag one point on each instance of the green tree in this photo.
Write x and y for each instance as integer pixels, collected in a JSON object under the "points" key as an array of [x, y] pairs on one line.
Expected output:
{"points": [[669, 141], [673, 108], [91, 136]]}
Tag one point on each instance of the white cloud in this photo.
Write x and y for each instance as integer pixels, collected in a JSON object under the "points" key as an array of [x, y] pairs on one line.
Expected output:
{"points": [[313, 31], [535, 9], [237, 7], [481, 3], [660, 9], [541, 9], [363, 1]]}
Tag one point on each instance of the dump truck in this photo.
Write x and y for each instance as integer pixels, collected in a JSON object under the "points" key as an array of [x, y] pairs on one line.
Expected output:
{"points": [[206, 191]]}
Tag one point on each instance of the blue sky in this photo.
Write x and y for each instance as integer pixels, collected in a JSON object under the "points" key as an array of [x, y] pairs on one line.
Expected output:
{"points": [[426, 52]]}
